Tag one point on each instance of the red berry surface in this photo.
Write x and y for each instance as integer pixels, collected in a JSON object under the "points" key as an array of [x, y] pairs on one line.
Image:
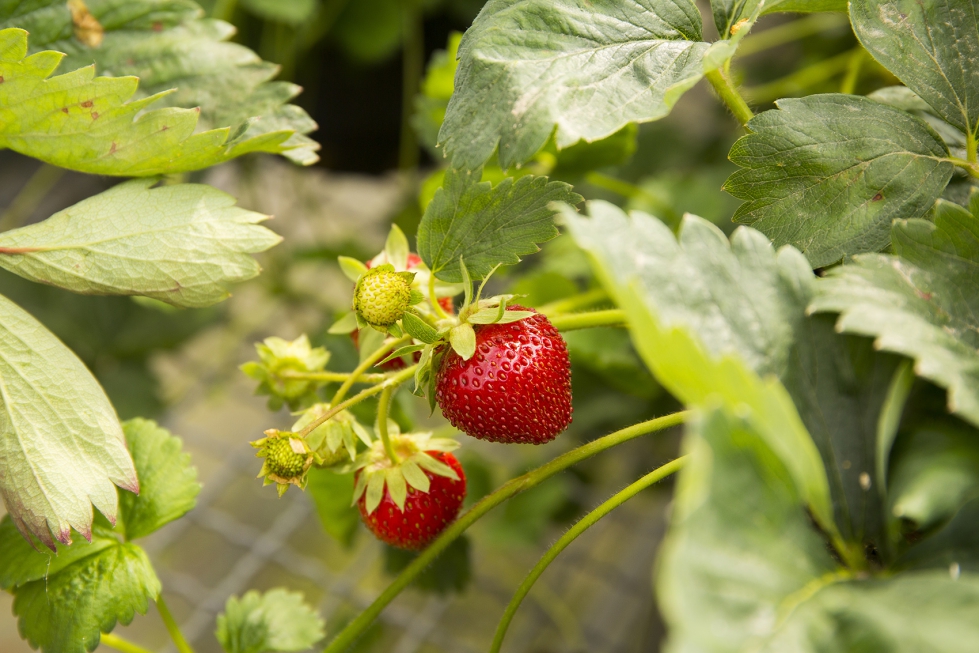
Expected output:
{"points": [[426, 514], [517, 386]]}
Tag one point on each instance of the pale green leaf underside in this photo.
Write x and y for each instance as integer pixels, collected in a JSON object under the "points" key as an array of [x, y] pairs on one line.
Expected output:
{"points": [[182, 244], [168, 483], [168, 45], [705, 361], [932, 46], [586, 69], [61, 445], [277, 621], [828, 173], [923, 303], [742, 557], [65, 612], [89, 124], [488, 225]]}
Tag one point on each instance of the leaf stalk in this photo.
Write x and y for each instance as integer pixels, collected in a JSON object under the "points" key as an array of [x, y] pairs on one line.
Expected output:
{"points": [[120, 644], [611, 318], [393, 381], [383, 408], [721, 81], [172, 627], [365, 365]]}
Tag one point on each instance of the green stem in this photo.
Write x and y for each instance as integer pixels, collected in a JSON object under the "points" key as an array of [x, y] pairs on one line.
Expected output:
{"points": [[725, 88], [355, 628], [611, 318], [224, 9], [789, 32], [383, 406], [120, 644], [801, 80], [970, 147], [575, 303], [391, 382], [172, 627], [968, 166], [413, 62], [584, 524], [30, 196], [852, 76], [365, 365], [435, 300], [332, 377]]}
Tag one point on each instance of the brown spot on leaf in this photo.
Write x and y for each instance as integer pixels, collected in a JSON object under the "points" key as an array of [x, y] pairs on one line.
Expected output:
{"points": [[95, 115], [164, 128], [878, 197], [64, 109], [1, 79], [157, 26], [112, 149], [87, 103]]}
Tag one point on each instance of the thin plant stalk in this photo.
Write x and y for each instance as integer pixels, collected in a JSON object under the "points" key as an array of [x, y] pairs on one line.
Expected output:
{"points": [[726, 90], [178, 637], [120, 644], [30, 196], [574, 303], [515, 486], [383, 408], [583, 524], [365, 365], [614, 317]]}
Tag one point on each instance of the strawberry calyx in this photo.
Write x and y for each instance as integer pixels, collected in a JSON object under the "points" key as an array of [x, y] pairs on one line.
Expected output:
{"points": [[287, 459], [377, 473], [333, 442], [279, 357]]}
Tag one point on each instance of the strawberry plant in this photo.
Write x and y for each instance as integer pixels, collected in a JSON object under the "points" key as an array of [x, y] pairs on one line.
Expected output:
{"points": [[825, 350]]}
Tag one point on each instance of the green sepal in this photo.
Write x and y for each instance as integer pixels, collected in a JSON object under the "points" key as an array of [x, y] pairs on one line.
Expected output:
{"points": [[394, 331], [375, 491], [396, 248], [416, 297], [352, 268], [414, 476], [325, 441], [346, 324], [467, 282], [397, 487], [402, 351], [361, 322], [424, 368], [418, 329], [463, 340]]}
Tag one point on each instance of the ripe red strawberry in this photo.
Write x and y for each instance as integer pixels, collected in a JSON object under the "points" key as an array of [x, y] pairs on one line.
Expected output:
{"points": [[515, 388], [425, 514]]}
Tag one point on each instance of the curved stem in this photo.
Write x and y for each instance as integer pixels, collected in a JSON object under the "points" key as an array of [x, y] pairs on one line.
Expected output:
{"points": [[365, 365], [574, 303], [120, 644], [383, 406], [583, 524], [332, 377], [611, 318], [435, 300], [725, 88], [391, 382], [172, 627], [355, 628], [971, 168]]}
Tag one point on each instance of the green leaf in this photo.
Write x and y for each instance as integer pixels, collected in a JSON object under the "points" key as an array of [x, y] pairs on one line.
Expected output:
{"points": [[904, 98], [291, 12], [168, 45], [586, 68], [168, 483], [727, 13], [276, 621], [61, 445], [431, 102], [489, 225], [828, 174], [181, 244], [89, 124], [933, 47], [332, 495], [64, 612], [21, 562], [923, 303], [742, 556]]}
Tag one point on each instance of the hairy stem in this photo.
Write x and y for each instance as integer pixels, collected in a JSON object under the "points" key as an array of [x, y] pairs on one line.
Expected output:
{"points": [[725, 88], [391, 382], [365, 365], [355, 628], [332, 377], [383, 407], [614, 317], [968, 166], [574, 303], [120, 644], [970, 147], [172, 627], [571, 535], [30, 196]]}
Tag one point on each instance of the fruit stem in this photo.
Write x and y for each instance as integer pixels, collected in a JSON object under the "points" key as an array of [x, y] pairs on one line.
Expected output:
{"points": [[120, 644], [331, 377], [729, 94], [610, 318], [583, 524], [515, 486], [365, 365], [574, 303], [391, 382], [383, 406], [435, 300], [172, 627]]}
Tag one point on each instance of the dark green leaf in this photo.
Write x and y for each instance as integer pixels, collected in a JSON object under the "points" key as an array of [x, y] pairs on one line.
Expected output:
{"points": [[588, 68], [905, 99], [333, 494], [922, 303], [930, 45], [828, 174], [168, 484], [489, 225], [274, 622]]}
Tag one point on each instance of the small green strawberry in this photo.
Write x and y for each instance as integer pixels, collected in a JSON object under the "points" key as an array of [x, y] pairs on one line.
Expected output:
{"points": [[280, 359], [287, 459], [382, 296], [333, 442]]}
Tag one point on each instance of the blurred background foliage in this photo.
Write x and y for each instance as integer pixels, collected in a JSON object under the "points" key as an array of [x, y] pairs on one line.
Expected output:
{"points": [[377, 75]]}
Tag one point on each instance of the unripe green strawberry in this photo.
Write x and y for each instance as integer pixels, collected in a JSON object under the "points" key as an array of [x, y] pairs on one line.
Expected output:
{"points": [[282, 460], [287, 459], [382, 295]]}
